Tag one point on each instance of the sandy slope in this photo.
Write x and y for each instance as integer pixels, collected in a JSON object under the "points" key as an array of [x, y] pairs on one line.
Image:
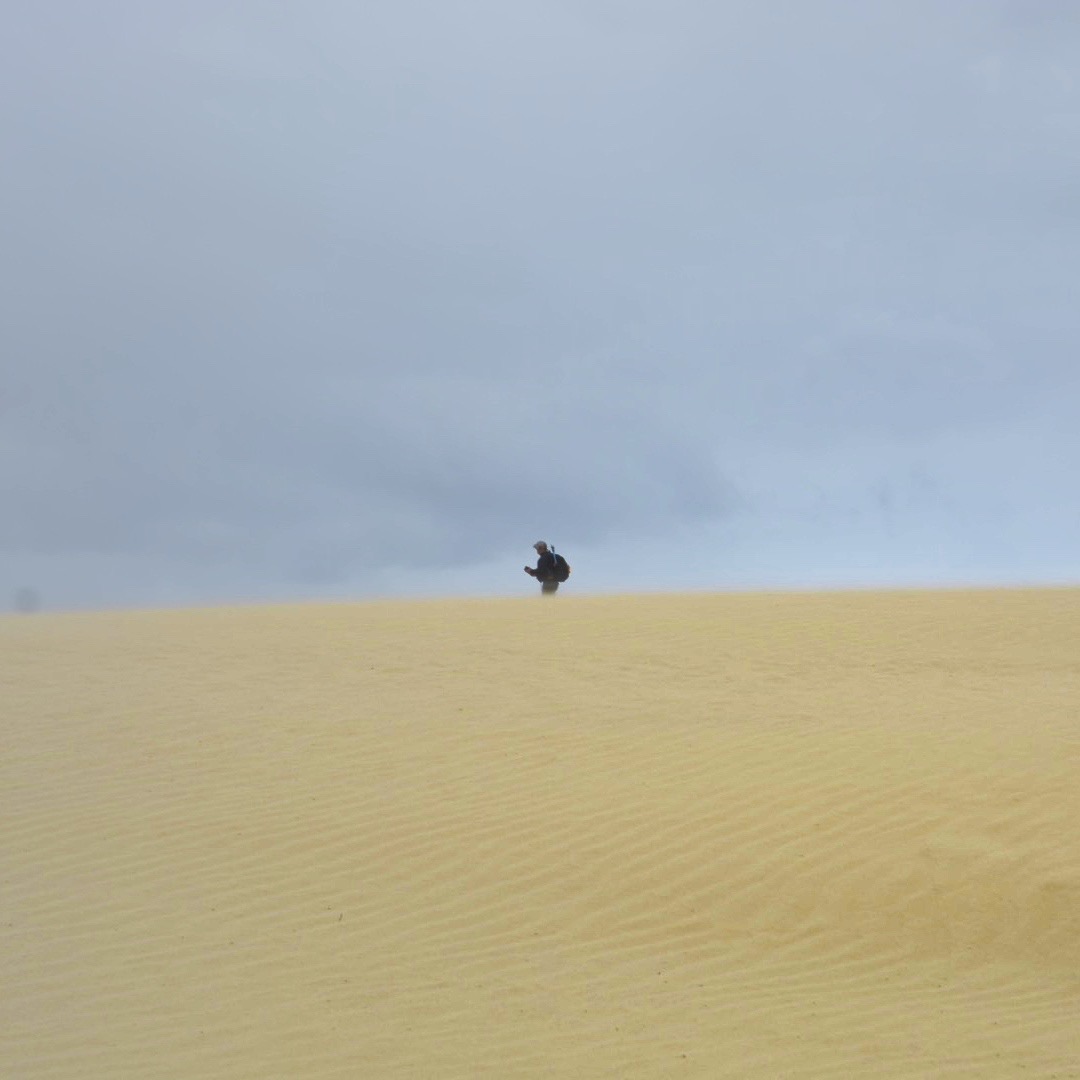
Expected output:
{"points": [[712, 836]]}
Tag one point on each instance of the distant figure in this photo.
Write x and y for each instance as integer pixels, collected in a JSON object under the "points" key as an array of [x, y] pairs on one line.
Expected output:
{"points": [[551, 568]]}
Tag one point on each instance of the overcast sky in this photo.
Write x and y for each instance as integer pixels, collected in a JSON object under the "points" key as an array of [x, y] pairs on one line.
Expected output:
{"points": [[342, 299]]}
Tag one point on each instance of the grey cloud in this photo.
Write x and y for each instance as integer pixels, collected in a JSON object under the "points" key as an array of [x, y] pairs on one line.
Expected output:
{"points": [[307, 293]]}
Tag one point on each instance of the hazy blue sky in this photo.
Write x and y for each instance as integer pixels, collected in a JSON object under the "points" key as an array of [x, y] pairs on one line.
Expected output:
{"points": [[343, 299]]}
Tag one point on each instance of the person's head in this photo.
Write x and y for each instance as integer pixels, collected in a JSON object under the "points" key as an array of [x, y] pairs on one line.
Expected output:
{"points": [[540, 546]]}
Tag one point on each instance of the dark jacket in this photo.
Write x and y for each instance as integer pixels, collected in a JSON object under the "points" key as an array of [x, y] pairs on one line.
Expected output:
{"points": [[545, 566]]}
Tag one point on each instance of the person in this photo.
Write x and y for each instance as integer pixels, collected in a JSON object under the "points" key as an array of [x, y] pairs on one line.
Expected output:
{"points": [[545, 568]]}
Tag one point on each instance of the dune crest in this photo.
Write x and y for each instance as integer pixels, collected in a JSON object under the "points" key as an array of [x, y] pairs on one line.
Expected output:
{"points": [[720, 836]]}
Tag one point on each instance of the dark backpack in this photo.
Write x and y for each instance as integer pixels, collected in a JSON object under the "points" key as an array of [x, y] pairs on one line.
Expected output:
{"points": [[561, 569]]}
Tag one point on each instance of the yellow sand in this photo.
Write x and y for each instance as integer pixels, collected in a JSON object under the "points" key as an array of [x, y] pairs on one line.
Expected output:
{"points": [[682, 836]]}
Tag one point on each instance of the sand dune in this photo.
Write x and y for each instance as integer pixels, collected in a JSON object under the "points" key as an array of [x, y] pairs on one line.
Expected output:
{"points": [[708, 836]]}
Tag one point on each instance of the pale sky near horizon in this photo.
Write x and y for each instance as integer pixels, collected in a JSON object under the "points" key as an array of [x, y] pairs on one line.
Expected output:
{"points": [[342, 300]]}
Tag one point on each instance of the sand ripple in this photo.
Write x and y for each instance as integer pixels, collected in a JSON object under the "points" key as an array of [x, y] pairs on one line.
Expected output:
{"points": [[812, 836]]}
